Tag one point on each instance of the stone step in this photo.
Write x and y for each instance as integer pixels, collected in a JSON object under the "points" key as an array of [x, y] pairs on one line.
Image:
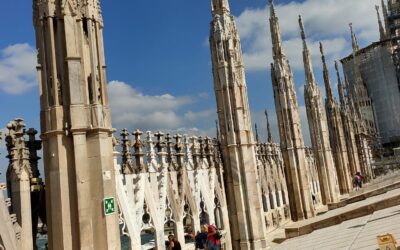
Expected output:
{"points": [[364, 195], [366, 207]]}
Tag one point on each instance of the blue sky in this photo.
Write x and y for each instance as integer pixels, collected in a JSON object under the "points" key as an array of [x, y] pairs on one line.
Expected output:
{"points": [[158, 58]]}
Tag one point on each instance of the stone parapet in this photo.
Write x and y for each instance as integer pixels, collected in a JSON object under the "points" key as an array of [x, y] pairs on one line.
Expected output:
{"points": [[173, 186]]}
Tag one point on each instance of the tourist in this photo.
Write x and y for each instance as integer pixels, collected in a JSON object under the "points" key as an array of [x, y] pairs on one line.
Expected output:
{"points": [[201, 237], [357, 181], [213, 240], [314, 199], [173, 243]]}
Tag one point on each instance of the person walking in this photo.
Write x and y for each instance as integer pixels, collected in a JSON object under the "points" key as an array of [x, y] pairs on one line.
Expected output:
{"points": [[357, 181], [213, 239], [201, 238]]}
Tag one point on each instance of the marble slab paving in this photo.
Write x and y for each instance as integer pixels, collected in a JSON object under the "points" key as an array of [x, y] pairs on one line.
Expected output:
{"points": [[354, 234]]}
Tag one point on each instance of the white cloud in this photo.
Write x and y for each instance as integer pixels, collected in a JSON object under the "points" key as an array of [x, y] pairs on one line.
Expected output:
{"points": [[132, 109], [325, 20], [17, 68], [194, 116]]}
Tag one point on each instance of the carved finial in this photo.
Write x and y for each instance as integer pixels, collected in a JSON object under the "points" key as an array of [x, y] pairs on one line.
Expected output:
{"points": [[257, 137], [217, 130], [276, 38], [178, 144], [321, 49], [302, 32], [220, 6], [270, 138], [385, 17], [195, 151], [328, 87], [202, 147], [138, 145], [151, 154], [309, 73], [170, 151], [272, 8], [338, 72], [137, 133], [33, 146], [124, 134], [126, 164], [160, 142], [17, 151], [381, 29], [340, 86], [188, 151], [115, 141], [273, 78], [209, 148], [354, 41]]}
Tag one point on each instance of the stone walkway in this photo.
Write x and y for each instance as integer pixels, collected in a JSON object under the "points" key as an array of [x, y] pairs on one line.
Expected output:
{"points": [[354, 234], [350, 211], [359, 233]]}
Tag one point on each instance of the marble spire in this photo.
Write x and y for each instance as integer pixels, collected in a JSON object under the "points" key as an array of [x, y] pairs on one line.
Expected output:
{"points": [[219, 6], [291, 137], [340, 87], [256, 130], [354, 42], [364, 122], [270, 139], [385, 17], [76, 125], [348, 127], [236, 132], [328, 87], [318, 129], [336, 133], [382, 32], [310, 79], [276, 37]]}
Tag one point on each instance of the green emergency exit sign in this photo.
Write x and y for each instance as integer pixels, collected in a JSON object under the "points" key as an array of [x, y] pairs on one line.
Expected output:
{"points": [[109, 205]]}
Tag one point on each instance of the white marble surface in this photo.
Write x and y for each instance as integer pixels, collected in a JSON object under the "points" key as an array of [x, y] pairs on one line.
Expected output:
{"points": [[354, 234]]}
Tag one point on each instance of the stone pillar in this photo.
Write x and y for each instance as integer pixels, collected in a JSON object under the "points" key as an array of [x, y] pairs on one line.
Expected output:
{"points": [[292, 144], [363, 112], [37, 187], [319, 128], [347, 114], [18, 179], [237, 142], [340, 138], [75, 125]]}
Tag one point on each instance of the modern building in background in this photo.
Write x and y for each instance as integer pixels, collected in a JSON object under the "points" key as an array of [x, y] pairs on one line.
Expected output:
{"points": [[377, 64]]}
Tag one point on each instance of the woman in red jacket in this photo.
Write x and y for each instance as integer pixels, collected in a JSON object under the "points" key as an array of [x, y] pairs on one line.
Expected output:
{"points": [[213, 242]]}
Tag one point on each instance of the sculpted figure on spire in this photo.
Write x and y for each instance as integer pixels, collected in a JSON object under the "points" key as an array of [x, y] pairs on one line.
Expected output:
{"points": [[287, 110], [236, 133]]}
